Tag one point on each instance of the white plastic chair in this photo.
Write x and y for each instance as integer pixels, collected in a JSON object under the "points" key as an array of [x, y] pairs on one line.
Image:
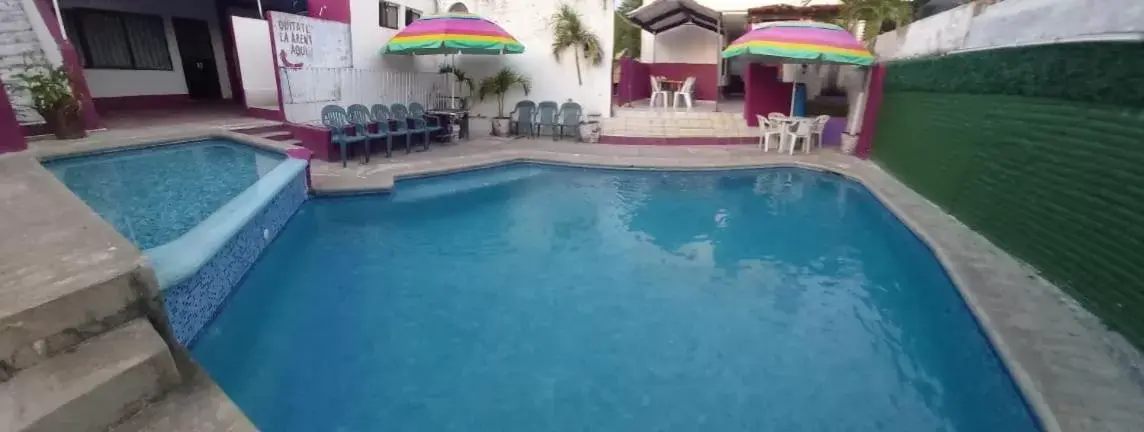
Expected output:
{"points": [[768, 128], [801, 132], [656, 91], [818, 128], [685, 93]]}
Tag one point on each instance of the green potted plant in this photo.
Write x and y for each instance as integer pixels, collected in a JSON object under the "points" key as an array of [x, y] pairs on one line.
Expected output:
{"points": [[498, 85], [50, 90], [459, 78]]}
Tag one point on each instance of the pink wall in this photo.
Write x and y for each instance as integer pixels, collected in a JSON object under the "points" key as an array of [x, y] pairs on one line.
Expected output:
{"points": [[315, 139], [333, 10], [634, 84], [11, 134], [870, 116], [764, 93], [706, 76]]}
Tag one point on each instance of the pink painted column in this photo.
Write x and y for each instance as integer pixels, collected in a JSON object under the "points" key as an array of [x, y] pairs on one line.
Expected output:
{"points": [[870, 116], [11, 135], [764, 93]]}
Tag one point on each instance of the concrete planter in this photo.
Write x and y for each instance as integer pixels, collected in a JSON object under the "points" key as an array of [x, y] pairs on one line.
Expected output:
{"points": [[500, 126], [849, 143], [590, 130]]}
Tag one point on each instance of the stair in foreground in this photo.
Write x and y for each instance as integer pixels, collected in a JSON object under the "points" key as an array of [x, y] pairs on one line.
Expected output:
{"points": [[99, 382]]}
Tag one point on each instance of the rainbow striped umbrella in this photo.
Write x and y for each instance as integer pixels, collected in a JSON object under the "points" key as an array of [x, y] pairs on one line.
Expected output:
{"points": [[453, 33], [800, 42]]}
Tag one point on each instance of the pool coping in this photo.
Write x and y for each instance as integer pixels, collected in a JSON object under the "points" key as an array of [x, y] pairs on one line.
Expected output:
{"points": [[1034, 383], [178, 259]]}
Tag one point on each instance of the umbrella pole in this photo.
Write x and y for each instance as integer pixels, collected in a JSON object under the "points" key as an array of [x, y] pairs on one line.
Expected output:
{"points": [[793, 92], [453, 87]]}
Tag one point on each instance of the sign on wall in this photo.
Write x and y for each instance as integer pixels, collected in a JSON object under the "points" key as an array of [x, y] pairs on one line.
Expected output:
{"points": [[304, 42]]}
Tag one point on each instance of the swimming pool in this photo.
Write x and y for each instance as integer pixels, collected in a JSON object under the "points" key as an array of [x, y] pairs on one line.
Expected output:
{"points": [[154, 195], [530, 298]]}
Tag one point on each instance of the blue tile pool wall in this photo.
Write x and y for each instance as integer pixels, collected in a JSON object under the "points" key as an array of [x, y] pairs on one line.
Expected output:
{"points": [[192, 303]]}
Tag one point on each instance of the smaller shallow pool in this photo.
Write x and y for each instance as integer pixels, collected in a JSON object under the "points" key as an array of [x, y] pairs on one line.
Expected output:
{"points": [[154, 195]]}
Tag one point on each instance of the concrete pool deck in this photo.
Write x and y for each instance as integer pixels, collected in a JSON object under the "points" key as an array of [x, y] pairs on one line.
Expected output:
{"points": [[1075, 373]]}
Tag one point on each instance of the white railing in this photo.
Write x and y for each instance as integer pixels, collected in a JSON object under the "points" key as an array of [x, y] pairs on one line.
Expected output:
{"points": [[306, 91]]}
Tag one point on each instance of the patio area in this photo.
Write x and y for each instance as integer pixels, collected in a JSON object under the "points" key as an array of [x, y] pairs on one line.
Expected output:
{"points": [[195, 113]]}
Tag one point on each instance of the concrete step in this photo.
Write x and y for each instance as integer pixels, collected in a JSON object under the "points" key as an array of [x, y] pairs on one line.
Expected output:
{"points": [[91, 387], [278, 135], [32, 335], [198, 405], [254, 130], [15, 26], [674, 125], [293, 142]]}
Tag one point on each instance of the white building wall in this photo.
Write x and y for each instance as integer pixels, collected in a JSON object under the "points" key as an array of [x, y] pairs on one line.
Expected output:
{"points": [[551, 80], [685, 44], [525, 20], [117, 83]]}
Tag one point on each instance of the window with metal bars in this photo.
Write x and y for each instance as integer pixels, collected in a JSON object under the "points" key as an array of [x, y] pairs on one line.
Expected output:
{"points": [[388, 17], [118, 40]]}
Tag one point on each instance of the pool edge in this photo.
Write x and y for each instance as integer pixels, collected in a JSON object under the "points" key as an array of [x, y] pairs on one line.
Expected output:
{"points": [[180, 258]]}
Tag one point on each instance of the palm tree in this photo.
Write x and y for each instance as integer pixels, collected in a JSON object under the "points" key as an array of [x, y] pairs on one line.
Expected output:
{"points": [[459, 78], [874, 15], [501, 83], [569, 31]]}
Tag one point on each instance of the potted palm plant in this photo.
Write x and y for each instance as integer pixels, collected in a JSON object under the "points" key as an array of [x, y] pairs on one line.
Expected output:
{"points": [[570, 31], [459, 78], [50, 90], [497, 85]]}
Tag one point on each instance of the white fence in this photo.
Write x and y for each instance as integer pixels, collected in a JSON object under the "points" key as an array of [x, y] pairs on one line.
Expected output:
{"points": [[308, 90]]}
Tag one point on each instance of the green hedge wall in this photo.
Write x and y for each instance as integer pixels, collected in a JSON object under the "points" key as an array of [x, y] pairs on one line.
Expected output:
{"points": [[1048, 175], [1104, 73]]}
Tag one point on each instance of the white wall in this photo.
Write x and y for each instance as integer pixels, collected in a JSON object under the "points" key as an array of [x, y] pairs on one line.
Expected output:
{"points": [[528, 22], [368, 37], [255, 62], [684, 44], [525, 20], [372, 78], [1014, 22], [116, 83]]}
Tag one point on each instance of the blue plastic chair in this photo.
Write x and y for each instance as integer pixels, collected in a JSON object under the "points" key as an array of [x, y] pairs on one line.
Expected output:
{"points": [[362, 120], [546, 116], [521, 118], [404, 123], [569, 117], [384, 123], [336, 120], [431, 123]]}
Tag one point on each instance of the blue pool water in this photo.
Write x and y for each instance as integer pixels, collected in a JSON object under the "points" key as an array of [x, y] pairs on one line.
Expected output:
{"points": [[533, 298], [153, 195]]}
